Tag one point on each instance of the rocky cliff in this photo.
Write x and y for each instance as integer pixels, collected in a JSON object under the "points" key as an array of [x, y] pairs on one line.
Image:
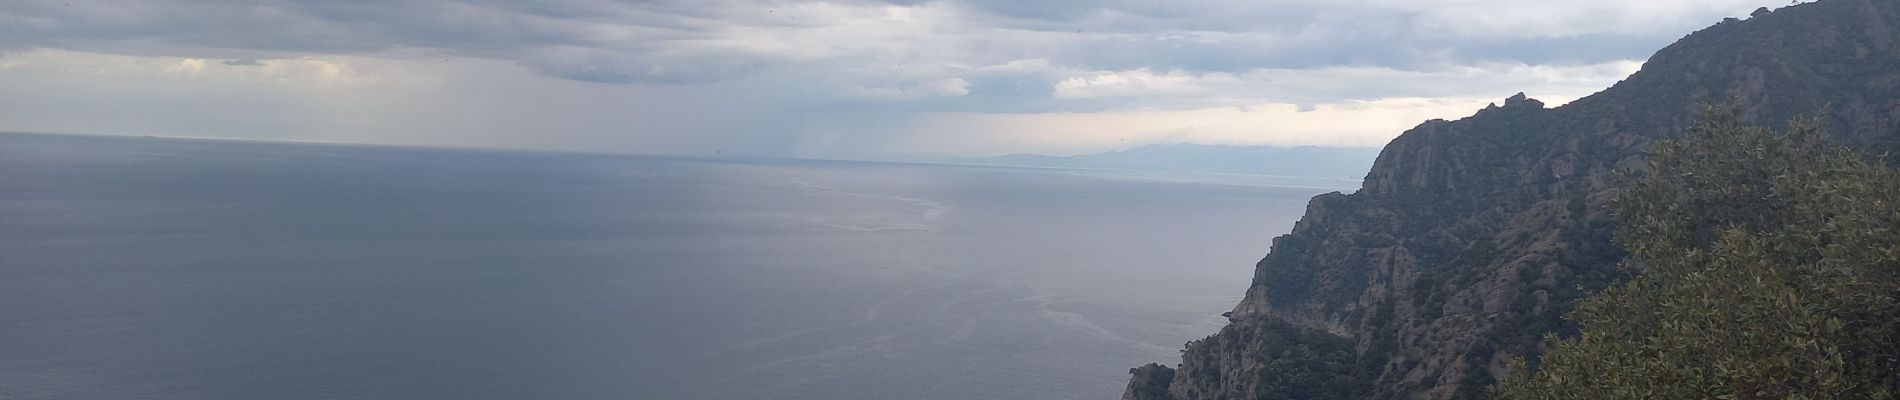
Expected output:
{"points": [[1471, 238]]}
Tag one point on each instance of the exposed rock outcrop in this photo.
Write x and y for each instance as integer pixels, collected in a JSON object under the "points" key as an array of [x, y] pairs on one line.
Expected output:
{"points": [[1471, 238]]}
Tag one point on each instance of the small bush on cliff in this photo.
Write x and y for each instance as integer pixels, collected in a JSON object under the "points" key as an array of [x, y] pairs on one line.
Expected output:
{"points": [[1768, 268]]}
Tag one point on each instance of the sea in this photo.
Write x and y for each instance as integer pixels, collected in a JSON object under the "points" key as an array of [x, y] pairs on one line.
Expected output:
{"points": [[159, 268]]}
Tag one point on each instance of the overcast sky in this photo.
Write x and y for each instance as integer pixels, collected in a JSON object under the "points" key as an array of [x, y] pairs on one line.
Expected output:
{"points": [[846, 79]]}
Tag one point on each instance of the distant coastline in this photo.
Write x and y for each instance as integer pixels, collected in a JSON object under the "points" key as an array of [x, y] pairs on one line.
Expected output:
{"points": [[1304, 162]]}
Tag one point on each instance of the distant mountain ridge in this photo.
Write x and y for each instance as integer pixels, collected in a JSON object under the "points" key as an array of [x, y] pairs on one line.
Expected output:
{"points": [[1470, 239], [1305, 161]]}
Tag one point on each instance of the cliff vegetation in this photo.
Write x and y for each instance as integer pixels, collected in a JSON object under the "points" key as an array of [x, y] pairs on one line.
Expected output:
{"points": [[1472, 239]]}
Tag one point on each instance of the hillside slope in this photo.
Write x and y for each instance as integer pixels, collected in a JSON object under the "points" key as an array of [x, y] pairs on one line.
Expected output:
{"points": [[1470, 238]]}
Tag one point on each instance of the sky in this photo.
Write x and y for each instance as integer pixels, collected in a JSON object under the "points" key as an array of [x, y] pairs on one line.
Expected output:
{"points": [[853, 79]]}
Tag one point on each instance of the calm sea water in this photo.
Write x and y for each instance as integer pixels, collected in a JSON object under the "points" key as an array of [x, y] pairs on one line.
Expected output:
{"points": [[136, 268]]}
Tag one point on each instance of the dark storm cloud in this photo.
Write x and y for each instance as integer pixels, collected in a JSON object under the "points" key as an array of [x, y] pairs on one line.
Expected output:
{"points": [[694, 41], [783, 77], [1144, 16], [1239, 36], [568, 39]]}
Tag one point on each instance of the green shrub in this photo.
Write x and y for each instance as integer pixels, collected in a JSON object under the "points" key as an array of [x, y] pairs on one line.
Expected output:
{"points": [[1766, 265]]}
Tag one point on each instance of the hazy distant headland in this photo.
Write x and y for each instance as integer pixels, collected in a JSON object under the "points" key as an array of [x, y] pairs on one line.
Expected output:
{"points": [[1303, 161]]}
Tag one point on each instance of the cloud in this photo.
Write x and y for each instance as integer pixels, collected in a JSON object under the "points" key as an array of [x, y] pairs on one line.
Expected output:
{"points": [[1351, 123], [189, 66], [1141, 83], [594, 65], [697, 42], [952, 87], [803, 75]]}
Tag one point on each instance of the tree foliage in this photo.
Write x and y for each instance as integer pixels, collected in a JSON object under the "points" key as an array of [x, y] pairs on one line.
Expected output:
{"points": [[1765, 265]]}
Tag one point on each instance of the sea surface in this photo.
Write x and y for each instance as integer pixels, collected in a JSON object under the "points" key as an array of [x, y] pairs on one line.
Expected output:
{"points": [[144, 268]]}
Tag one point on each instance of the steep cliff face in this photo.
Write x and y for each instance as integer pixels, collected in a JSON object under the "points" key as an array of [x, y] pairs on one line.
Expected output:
{"points": [[1470, 238]]}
